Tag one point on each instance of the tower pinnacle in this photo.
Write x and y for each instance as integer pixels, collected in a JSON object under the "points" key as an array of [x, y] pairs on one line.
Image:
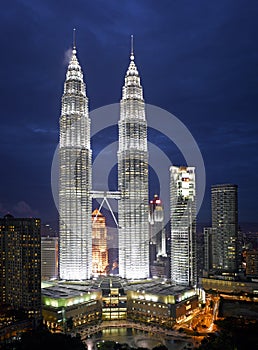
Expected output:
{"points": [[132, 53], [74, 42]]}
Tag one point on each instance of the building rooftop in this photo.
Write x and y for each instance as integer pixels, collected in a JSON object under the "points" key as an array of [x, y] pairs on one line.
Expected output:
{"points": [[68, 290], [157, 287]]}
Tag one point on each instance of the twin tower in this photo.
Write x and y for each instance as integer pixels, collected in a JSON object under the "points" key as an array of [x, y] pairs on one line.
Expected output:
{"points": [[75, 178]]}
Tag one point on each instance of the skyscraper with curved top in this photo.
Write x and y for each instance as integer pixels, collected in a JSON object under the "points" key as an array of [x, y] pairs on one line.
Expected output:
{"points": [[75, 177], [133, 178]]}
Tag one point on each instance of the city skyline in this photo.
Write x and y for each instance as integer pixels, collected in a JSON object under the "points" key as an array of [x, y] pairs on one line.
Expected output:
{"points": [[204, 74]]}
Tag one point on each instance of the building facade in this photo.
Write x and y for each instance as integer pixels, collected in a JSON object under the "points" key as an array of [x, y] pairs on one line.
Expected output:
{"points": [[75, 177], [20, 275], [208, 237], [252, 263], [224, 206], [161, 308], [157, 229], [183, 225], [133, 179], [99, 244], [49, 258], [67, 307]]}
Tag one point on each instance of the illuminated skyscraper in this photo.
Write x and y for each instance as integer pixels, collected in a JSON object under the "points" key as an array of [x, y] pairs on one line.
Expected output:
{"points": [[75, 205], [224, 206], [99, 243], [133, 179], [20, 278], [157, 229], [183, 225]]}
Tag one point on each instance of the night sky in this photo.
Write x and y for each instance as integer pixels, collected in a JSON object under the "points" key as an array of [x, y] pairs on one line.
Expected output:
{"points": [[197, 59]]}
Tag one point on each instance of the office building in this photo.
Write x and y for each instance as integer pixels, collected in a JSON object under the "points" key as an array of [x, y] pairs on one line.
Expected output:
{"points": [[20, 276], [75, 176], [49, 258], [224, 207], [133, 179], [157, 229], [159, 261], [183, 225], [252, 263], [207, 236], [99, 244]]}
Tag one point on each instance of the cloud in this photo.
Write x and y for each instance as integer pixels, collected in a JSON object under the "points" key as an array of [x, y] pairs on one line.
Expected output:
{"points": [[67, 56], [3, 210], [23, 209]]}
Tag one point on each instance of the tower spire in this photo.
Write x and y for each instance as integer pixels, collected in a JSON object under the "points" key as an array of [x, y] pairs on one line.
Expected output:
{"points": [[132, 53], [74, 42]]}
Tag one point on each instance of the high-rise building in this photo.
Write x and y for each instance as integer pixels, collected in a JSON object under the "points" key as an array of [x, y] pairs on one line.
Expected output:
{"points": [[99, 243], [75, 177], [133, 179], [224, 205], [49, 258], [20, 278], [159, 261], [157, 229], [207, 236], [183, 225]]}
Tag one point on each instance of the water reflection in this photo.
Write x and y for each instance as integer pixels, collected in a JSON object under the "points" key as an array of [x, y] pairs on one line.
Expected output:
{"points": [[134, 338]]}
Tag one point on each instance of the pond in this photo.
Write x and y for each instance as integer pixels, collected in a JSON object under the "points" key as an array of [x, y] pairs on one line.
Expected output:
{"points": [[134, 338]]}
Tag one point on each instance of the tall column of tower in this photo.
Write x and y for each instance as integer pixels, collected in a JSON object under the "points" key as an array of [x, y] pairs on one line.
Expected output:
{"points": [[133, 179], [75, 177], [183, 225]]}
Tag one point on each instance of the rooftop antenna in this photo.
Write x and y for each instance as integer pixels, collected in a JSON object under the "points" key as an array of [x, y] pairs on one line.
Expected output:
{"points": [[132, 54], [74, 43]]}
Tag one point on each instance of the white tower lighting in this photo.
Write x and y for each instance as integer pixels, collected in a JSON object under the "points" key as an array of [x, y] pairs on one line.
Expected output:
{"points": [[133, 178], [75, 177]]}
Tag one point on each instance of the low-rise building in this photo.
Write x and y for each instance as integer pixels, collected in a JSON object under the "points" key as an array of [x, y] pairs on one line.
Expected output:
{"points": [[230, 285], [162, 304], [66, 306]]}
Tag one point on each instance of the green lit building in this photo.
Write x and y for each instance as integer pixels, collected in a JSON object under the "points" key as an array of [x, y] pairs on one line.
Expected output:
{"points": [[161, 304], [67, 306], [70, 305]]}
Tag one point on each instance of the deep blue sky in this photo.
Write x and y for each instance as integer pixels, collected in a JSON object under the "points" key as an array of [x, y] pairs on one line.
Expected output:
{"points": [[197, 59]]}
